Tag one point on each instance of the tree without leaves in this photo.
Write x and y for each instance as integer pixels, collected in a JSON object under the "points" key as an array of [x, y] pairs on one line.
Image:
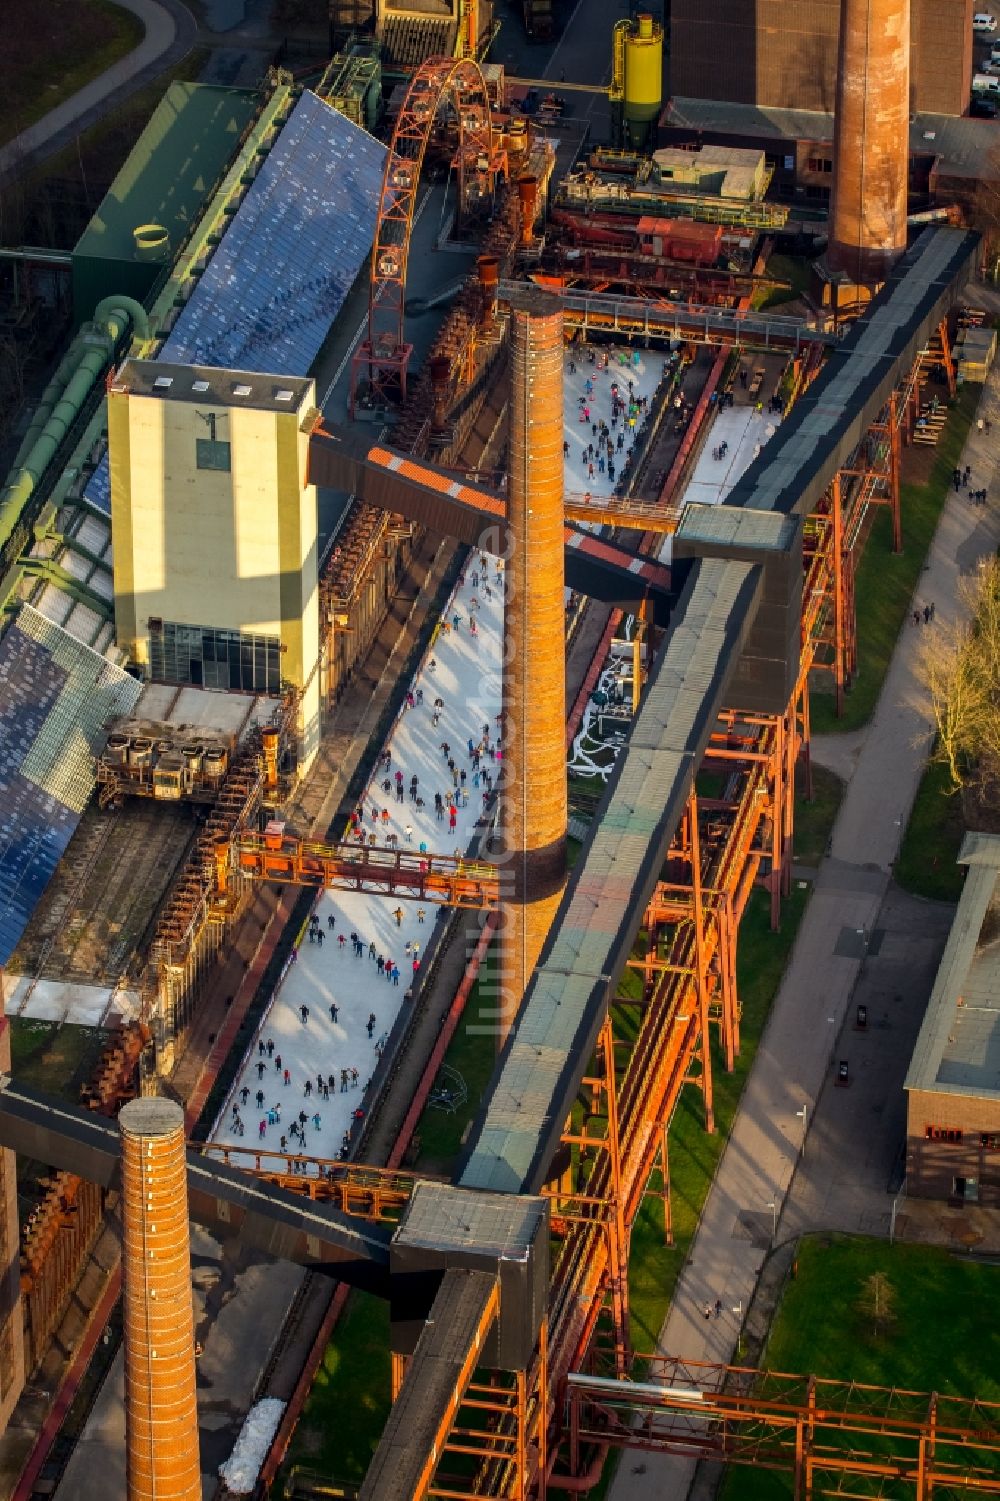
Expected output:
{"points": [[960, 667], [877, 1303]]}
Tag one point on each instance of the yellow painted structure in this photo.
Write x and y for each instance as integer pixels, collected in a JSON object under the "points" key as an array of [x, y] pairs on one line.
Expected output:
{"points": [[215, 528], [643, 78]]}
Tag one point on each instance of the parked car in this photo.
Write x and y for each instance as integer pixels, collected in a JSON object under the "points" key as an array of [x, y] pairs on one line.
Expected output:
{"points": [[984, 109], [984, 23]]}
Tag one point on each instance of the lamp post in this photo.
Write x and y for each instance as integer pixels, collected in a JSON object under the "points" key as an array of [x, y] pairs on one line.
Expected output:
{"points": [[803, 1115], [773, 1206]]}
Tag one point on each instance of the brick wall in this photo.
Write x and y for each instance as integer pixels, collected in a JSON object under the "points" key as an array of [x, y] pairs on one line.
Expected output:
{"points": [[933, 1165], [11, 1317], [783, 53]]}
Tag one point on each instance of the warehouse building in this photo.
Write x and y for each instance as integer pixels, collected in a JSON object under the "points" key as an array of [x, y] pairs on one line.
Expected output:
{"points": [[953, 1082]]}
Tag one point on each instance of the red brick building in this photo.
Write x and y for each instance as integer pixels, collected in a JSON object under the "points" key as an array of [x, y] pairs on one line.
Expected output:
{"points": [[953, 1082], [783, 53]]}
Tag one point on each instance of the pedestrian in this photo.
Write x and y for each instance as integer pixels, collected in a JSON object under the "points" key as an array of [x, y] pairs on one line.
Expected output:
{"points": [[408, 833], [354, 1078], [398, 915], [304, 1013], [334, 1011], [927, 614], [260, 1099], [277, 1063], [260, 1047], [343, 1079], [371, 1019], [381, 967], [331, 921], [286, 1077], [718, 1308], [931, 607], [284, 1143], [260, 1071], [707, 1311], [262, 1129], [270, 1047], [307, 1088], [421, 914], [341, 940]]}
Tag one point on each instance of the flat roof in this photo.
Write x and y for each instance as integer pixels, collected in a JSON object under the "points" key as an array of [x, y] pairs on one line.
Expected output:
{"points": [[961, 143], [958, 1049], [214, 387], [191, 135]]}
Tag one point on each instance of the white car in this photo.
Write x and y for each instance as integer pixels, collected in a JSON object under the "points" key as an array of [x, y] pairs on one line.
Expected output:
{"points": [[984, 23]]}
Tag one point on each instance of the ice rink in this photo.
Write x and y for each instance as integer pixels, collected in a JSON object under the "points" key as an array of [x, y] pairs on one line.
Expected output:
{"points": [[745, 432], [643, 367], [463, 670]]}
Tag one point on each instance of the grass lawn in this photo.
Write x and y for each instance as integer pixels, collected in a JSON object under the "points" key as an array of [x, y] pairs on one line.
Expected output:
{"points": [[788, 268], [52, 50], [55, 1057], [814, 821], [926, 864], [885, 582], [945, 1338], [349, 1402]]}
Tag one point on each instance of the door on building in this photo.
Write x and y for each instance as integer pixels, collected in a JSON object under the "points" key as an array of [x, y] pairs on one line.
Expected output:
{"points": [[966, 1189]]}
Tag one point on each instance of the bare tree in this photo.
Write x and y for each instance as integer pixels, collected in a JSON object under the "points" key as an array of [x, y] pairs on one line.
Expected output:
{"points": [[961, 671]]}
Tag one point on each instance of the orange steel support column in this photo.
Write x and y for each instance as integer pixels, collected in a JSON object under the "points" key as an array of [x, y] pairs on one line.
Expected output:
{"points": [[895, 443], [839, 651], [702, 978], [871, 140], [533, 813], [161, 1418]]}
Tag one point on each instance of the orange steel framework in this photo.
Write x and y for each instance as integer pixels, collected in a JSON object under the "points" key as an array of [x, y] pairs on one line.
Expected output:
{"points": [[383, 356], [654, 1044], [449, 880], [834, 1437]]}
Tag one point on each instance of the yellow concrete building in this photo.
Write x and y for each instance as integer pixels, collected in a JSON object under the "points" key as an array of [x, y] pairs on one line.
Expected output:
{"points": [[215, 530]]}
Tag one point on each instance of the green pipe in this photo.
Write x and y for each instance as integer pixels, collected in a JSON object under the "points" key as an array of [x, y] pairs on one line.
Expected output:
{"points": [[112, 318], [49, 397]]}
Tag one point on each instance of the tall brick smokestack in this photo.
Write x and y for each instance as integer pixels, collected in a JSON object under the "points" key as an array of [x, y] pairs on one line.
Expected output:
{"points": [[161, 1418], [871, 140]]}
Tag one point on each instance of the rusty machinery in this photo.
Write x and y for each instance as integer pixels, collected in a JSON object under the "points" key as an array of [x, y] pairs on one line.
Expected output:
{"points": [[383, 356]]}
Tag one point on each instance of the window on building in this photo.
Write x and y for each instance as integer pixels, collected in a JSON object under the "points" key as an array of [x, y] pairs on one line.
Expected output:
{"points": [[990, 1141], [819, 164], [943, 1133], [210, 658], [212, 453]]}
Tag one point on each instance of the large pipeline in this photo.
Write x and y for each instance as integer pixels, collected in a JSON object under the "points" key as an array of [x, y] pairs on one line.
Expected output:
{"points": [[63, 399]]}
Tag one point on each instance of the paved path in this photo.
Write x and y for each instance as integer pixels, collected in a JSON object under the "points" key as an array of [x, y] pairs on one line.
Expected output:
{"points": [[743, 1209], [170, 34]]}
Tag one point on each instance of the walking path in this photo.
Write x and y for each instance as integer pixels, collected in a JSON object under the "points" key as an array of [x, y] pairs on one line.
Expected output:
{"points": [[743, 1209], [170, 34]]}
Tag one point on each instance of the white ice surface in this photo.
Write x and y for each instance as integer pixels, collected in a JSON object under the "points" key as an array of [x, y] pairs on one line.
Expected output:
{"points": [[467, 677], [644, 368], [711, 480]]}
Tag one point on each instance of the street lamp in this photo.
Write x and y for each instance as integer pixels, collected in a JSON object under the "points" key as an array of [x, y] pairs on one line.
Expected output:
{"points": [[772, 1205], [803, 1115]]}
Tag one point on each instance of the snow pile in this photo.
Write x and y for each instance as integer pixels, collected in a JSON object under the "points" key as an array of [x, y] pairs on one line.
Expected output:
{"points": [[243, 1466]]}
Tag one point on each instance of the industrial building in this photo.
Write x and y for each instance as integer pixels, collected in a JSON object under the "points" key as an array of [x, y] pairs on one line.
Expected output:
{"points": [[215, 528], [953, 1082], [199, 550], [782, 54]]}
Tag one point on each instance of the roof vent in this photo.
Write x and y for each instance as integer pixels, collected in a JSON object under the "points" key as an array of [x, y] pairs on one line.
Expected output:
{"points": [[283, 395], [163, 382], [199, 386], [240, 389]]}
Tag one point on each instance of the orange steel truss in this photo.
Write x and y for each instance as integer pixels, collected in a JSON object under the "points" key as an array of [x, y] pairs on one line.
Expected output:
{"points": [[834, 1437], [367, 1193], [450, 880], [440, 83], [498, 1435]]}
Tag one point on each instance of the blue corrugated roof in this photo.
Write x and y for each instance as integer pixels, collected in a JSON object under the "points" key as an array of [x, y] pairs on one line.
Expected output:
{"points": [[288, 260], [55, 696]]}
